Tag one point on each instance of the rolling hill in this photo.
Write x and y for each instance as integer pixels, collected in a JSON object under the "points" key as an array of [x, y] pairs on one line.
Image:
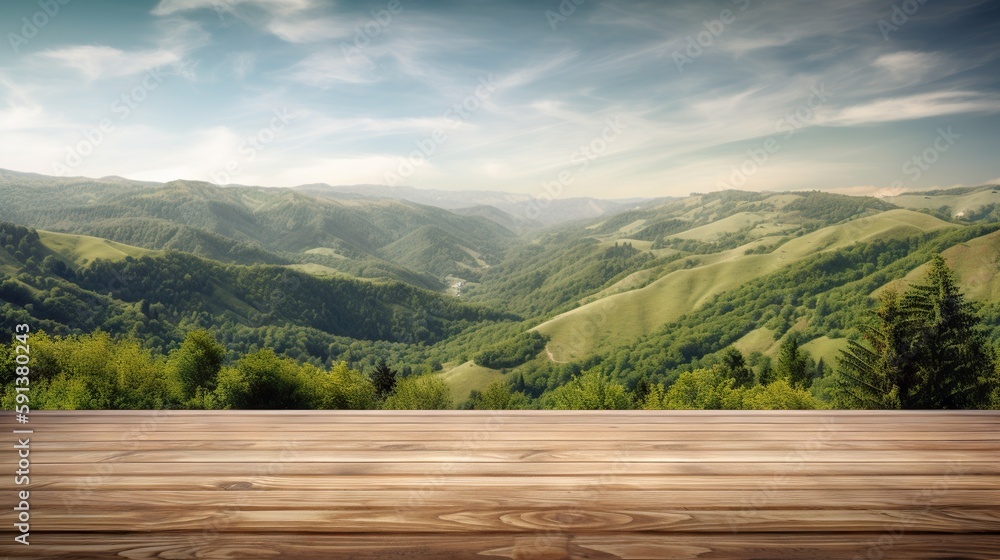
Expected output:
{"points": [[247, 225], [622, 318]]}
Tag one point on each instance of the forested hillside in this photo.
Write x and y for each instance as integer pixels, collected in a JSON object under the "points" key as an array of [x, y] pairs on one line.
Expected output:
{"points": [[250, 225], [721, 300]]}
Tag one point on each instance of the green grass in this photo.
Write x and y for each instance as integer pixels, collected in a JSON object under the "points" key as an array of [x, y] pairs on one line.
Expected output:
{"points": [[957, 203], [826, 348], [758, 340], [622, 318], [715, 230], [466, 377], [325, 251], [319, 270], [976, 264], [81, 250]]}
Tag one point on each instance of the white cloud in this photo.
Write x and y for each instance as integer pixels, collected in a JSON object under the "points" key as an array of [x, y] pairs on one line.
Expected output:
{"points": [[168, 7], [97, 61], [325, 69], [914, 107], [531, 73], [306, 30], [907, 65], [21, 109]]}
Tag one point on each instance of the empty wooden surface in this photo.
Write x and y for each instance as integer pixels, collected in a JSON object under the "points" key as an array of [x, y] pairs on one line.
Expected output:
{"points": [[533, 484]]}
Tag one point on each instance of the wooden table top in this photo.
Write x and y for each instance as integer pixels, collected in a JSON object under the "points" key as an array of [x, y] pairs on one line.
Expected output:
{"points": [[513, 485]]}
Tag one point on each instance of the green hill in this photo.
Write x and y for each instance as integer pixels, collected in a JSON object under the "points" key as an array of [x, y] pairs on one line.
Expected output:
{"points": [[70, 284], [622, 318], [249, 225]]}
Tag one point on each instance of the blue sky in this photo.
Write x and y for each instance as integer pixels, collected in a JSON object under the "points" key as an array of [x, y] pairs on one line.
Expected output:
{"points": [[574, 97]]}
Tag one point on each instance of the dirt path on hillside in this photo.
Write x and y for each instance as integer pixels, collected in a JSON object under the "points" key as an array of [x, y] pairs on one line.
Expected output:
{"points": [[551, 357]]}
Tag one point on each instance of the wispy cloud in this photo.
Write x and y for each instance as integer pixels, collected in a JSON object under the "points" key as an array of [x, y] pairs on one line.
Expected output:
{"points": [[99, 61], [279, 7], [914, 107], [326, 69]]}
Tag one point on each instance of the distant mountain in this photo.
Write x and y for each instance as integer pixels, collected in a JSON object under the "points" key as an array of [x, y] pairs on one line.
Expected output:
{"points": [[524, 208], [516, 223], [255, 225]]}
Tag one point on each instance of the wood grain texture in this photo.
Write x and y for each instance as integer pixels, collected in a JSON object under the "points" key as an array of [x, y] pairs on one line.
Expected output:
{"points": [[526, 484]]}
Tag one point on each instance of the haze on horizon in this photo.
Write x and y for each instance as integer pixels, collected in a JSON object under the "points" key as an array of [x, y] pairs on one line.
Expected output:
{"points": [[595, 98]]}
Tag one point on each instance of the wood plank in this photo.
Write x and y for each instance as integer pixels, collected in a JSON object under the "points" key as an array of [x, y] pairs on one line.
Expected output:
{"points": [[529, 454], [485, 498], [487, 469], [459, 518], [188, 482], [240, 445], [485, 546]]}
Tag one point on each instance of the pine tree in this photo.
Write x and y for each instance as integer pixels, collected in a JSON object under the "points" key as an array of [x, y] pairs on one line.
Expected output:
{"points": [[926, 349], [869, 372], [384, 378], [956, 368], [792, 363], [734, 365]]}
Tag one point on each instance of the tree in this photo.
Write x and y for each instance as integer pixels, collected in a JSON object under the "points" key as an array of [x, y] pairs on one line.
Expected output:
{"points": [[792, 362], [498, 396], [734, 365], [926, 349], [384, 378], [343, 388], [870, 374], [590, 391], [197, 362], [702, 389], [261, 380], [424, 392]]}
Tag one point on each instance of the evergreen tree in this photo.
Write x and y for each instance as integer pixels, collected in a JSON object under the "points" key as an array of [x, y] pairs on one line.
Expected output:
{"points": [[792, 362], [384, 378], [925, 350], [734, 365], [956, 367], [640, 391]]}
